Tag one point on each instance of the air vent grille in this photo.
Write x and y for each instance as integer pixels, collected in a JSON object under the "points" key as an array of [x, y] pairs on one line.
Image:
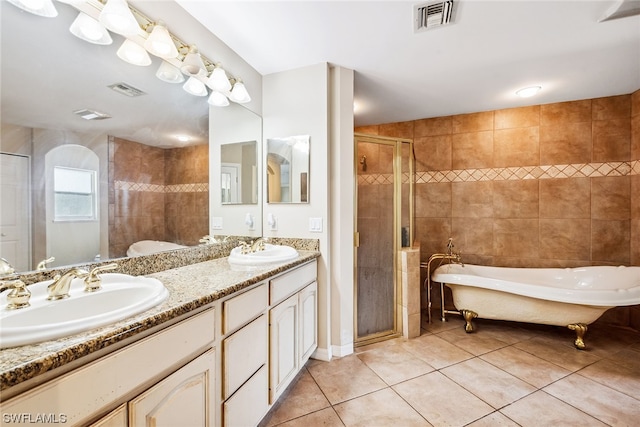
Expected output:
{"points": [[433, 15], [126, 89]]}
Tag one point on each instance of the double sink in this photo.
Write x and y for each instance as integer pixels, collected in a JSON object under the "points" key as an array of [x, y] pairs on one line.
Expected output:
{"points": [[121, 296]]}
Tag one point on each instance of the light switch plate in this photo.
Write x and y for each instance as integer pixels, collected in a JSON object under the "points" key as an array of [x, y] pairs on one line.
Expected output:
{"points": [[216, 223], [315, 225]]}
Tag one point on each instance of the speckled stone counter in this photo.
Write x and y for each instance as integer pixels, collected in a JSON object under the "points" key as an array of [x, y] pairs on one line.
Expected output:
{"points": [[190, 287]]}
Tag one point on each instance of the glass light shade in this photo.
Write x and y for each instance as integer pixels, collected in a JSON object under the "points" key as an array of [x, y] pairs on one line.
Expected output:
{"points": [[90, 30], [192, 65], [195, 87], [37, 7], [219, 81], [117, 17], [217, 99], [133, 53], [239, 93], [528, 91], [160, 43], [168, 73]]}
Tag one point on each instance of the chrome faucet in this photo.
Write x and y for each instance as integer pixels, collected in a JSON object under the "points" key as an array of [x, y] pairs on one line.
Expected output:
{"points": [[59, 289], [92, 282]]}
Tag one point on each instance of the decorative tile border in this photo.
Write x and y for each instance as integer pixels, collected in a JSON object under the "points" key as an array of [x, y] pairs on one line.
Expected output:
{"points": [[581, 170], [157, 188]]}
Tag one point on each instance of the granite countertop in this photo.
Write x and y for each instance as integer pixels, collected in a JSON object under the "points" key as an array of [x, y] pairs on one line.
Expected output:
{"points": [[190, 287]]}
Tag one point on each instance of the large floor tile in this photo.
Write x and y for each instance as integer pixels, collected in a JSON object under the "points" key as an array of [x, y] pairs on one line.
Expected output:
{"points": [[436, 351], [441, 401], [508, 332], [604, 403], [345, 378], [540, 409], [476, 343], [529, 368], [380, 408], [493, 385], [620, 372], [394, 364], [325, 418], [495, 419], [438, 325], [558, 353], [301, 398]]}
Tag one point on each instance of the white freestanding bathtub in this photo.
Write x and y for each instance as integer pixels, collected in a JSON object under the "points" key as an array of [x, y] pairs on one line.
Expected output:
{"points": [[148, 247], [572, 297]]}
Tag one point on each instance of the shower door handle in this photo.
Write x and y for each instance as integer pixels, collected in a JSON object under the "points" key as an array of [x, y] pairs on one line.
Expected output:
{"points": [[356, 239]]}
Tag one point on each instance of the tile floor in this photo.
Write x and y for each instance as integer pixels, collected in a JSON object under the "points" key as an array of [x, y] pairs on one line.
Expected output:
{"points": [[505, 374]]}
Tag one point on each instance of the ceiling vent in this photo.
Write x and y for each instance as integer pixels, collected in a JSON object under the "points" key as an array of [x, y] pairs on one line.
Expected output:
{"points": [[91, 114], [126, 89], [433, 15]]}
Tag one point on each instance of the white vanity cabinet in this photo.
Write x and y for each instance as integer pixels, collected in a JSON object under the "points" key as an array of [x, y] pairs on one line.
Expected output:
{"points": [[150, 376], [292, 325], [245, 357]]}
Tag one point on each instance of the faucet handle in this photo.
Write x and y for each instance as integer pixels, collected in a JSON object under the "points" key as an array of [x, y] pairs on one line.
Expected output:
{"points": [[6, 269], [19, 295], [42, 265], [92, 282]]}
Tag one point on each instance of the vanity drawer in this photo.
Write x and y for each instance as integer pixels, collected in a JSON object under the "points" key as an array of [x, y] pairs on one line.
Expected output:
{"points": [[241, 309], [244, 352], [250, 403], [285, 285]]}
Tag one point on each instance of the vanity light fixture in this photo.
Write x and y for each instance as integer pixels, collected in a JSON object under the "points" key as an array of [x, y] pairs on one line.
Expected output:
{"points": [[528, 91], [218, 80], [239, 93], [160, 43], [195, 87], [133, 53], [218, 99], [117, 17], [37, 7], [193, 65], [90, 30], [168, 73]]}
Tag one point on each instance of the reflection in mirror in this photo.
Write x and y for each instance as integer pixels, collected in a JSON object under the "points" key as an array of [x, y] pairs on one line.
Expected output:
{"points": [[288, 169], [149, 185], [236, 146], [239, 177]]}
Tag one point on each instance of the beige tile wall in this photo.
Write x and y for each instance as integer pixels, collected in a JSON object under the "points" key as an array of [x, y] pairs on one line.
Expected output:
{"points": [[539, 186]]}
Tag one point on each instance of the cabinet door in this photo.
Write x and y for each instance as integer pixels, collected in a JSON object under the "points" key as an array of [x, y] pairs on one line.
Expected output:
{"points": [[283, 335], [184, 398], [115, 418], [308, 303]]}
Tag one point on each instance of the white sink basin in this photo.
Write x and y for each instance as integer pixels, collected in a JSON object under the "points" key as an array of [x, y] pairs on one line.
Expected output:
{"points": [[270, 254], [121, 296]]}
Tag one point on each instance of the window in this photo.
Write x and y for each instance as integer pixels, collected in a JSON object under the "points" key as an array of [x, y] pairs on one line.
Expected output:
{"points": [[75, 195]]}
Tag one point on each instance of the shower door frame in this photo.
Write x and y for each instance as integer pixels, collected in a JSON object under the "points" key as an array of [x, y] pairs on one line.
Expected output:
{"points": [[397, 144]]}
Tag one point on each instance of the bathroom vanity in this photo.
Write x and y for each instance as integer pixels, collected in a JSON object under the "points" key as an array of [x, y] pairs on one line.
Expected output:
{"points": [[219, 352]]}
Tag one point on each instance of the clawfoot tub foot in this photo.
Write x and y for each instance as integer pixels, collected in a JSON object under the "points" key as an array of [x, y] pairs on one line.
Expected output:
{"points": [[580, 329], [468, 317]]}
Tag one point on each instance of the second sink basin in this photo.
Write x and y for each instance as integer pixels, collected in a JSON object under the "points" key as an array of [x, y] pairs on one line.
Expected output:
{"points": [[121, 296], [270, 254]]}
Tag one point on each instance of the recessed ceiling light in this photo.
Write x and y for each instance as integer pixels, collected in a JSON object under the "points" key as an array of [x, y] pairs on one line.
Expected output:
{"points": [[182, 138], [91, 114], [528, 91]]}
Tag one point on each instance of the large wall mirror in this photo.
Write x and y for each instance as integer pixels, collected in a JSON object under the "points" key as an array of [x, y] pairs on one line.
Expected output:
{"points": [[152, 174], [288, 169]]}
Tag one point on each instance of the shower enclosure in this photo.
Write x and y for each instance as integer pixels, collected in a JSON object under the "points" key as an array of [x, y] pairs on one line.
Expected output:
{"points": [[384, 224]]}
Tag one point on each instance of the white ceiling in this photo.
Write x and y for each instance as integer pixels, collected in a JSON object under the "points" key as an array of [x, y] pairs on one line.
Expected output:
{"points": [[476, 64]]}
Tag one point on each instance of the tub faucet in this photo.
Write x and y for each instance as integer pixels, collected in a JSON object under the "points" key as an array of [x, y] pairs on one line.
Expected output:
{"points": [[451, 255], [59, 289]]}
